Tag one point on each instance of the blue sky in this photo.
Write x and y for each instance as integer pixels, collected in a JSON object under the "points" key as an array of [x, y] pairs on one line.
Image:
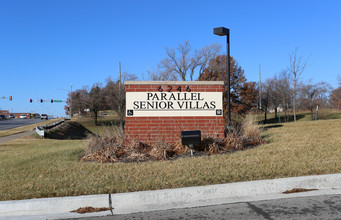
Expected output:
{"points": [[47, 46]]}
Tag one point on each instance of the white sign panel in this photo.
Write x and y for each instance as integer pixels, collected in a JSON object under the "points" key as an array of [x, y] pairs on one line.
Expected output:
{"points": [[147, 104]]}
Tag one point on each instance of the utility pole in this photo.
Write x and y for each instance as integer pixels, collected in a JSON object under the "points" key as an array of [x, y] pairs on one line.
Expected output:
{"points": [[71, 101], [119, 95], [260, 90]]}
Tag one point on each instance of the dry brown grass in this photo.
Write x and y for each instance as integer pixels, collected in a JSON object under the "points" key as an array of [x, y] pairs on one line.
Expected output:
{"points": [[249, 129], [106, 146], [109, 146], [34, 168], [233, 142]]}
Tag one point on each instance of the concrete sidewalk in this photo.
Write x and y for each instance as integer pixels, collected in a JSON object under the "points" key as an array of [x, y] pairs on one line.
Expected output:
{"points": [[124, 203], [11, 137]]}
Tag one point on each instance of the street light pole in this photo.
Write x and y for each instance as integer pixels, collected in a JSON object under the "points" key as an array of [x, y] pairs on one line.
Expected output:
{"points": [[71, 101], [222, 31]]}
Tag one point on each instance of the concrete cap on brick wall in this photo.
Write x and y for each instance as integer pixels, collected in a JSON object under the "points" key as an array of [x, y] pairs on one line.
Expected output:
{"points": [[174, 82]]}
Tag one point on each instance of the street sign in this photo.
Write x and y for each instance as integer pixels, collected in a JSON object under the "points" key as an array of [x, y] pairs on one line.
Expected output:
{"points": [[57, 100]]}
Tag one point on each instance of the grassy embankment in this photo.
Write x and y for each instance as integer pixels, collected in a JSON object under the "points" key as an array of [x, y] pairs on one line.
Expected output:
{"points": [[33, 168], [323, 114]]}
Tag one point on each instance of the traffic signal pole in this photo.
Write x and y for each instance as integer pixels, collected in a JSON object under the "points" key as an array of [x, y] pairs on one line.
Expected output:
{"points": [[9, 98]]}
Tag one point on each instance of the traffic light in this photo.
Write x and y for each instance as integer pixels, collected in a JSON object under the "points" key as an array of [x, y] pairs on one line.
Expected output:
{"points": [[51, 100], [10, 98], [41, 100], [31, 100]]}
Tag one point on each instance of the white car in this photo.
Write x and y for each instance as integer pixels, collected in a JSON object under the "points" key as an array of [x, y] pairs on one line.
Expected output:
{"points": [[23, 116]]}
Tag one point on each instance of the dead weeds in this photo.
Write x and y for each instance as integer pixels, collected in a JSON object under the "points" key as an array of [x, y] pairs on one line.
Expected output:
{"points": [[90, 209], [109, 145], [298, 190], [112, 149]]}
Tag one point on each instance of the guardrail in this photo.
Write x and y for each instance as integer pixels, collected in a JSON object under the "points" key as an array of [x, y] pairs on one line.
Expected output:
{"points": [[40, 130]]}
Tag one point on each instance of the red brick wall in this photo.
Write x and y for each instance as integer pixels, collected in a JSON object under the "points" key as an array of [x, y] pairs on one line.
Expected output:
{"points": [[4, 112], [152, 129]]}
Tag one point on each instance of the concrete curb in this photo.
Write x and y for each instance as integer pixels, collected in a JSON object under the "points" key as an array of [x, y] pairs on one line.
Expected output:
{"points": [[124, 203]]}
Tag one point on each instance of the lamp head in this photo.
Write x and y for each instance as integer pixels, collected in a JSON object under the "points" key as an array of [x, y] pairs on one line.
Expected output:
{"points": [[221, 31]]}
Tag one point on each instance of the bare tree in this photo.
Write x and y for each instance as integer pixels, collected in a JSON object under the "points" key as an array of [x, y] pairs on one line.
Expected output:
{"points": [[285, 91], [161, 75], [128, 77], [312, 95], [202, 57], [265, 102], [181, 62], [116, 98], [271, 90], [296, 67], [80, 99], [93, 99], [112, 93], [335, 98], [278, 93], [97, 101]]}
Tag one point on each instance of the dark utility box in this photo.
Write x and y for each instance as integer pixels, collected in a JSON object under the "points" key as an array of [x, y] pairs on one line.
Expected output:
{"points": [[191, 137]]}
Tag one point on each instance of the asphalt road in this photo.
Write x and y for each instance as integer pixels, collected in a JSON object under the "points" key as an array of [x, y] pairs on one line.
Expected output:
{"points": [[13, 123], [316, 207]]}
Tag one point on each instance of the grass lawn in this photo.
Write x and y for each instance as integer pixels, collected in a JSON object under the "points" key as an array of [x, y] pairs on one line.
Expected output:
{"points": [[323, 114], [34, 168], [109, 120]]}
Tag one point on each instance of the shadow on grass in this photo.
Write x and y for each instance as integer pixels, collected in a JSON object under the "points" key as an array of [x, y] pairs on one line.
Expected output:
{"points": [[266, 136], [108, 123], [334, 116], [265, 128], [276, 120], [68, 131]]}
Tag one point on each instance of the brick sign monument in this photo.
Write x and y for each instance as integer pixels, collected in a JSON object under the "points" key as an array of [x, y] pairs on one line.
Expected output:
{"points": [[160, 110]]}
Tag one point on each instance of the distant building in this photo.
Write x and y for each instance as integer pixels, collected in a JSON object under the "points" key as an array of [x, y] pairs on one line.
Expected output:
{"points": [[4, 112], [279, 109]]}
